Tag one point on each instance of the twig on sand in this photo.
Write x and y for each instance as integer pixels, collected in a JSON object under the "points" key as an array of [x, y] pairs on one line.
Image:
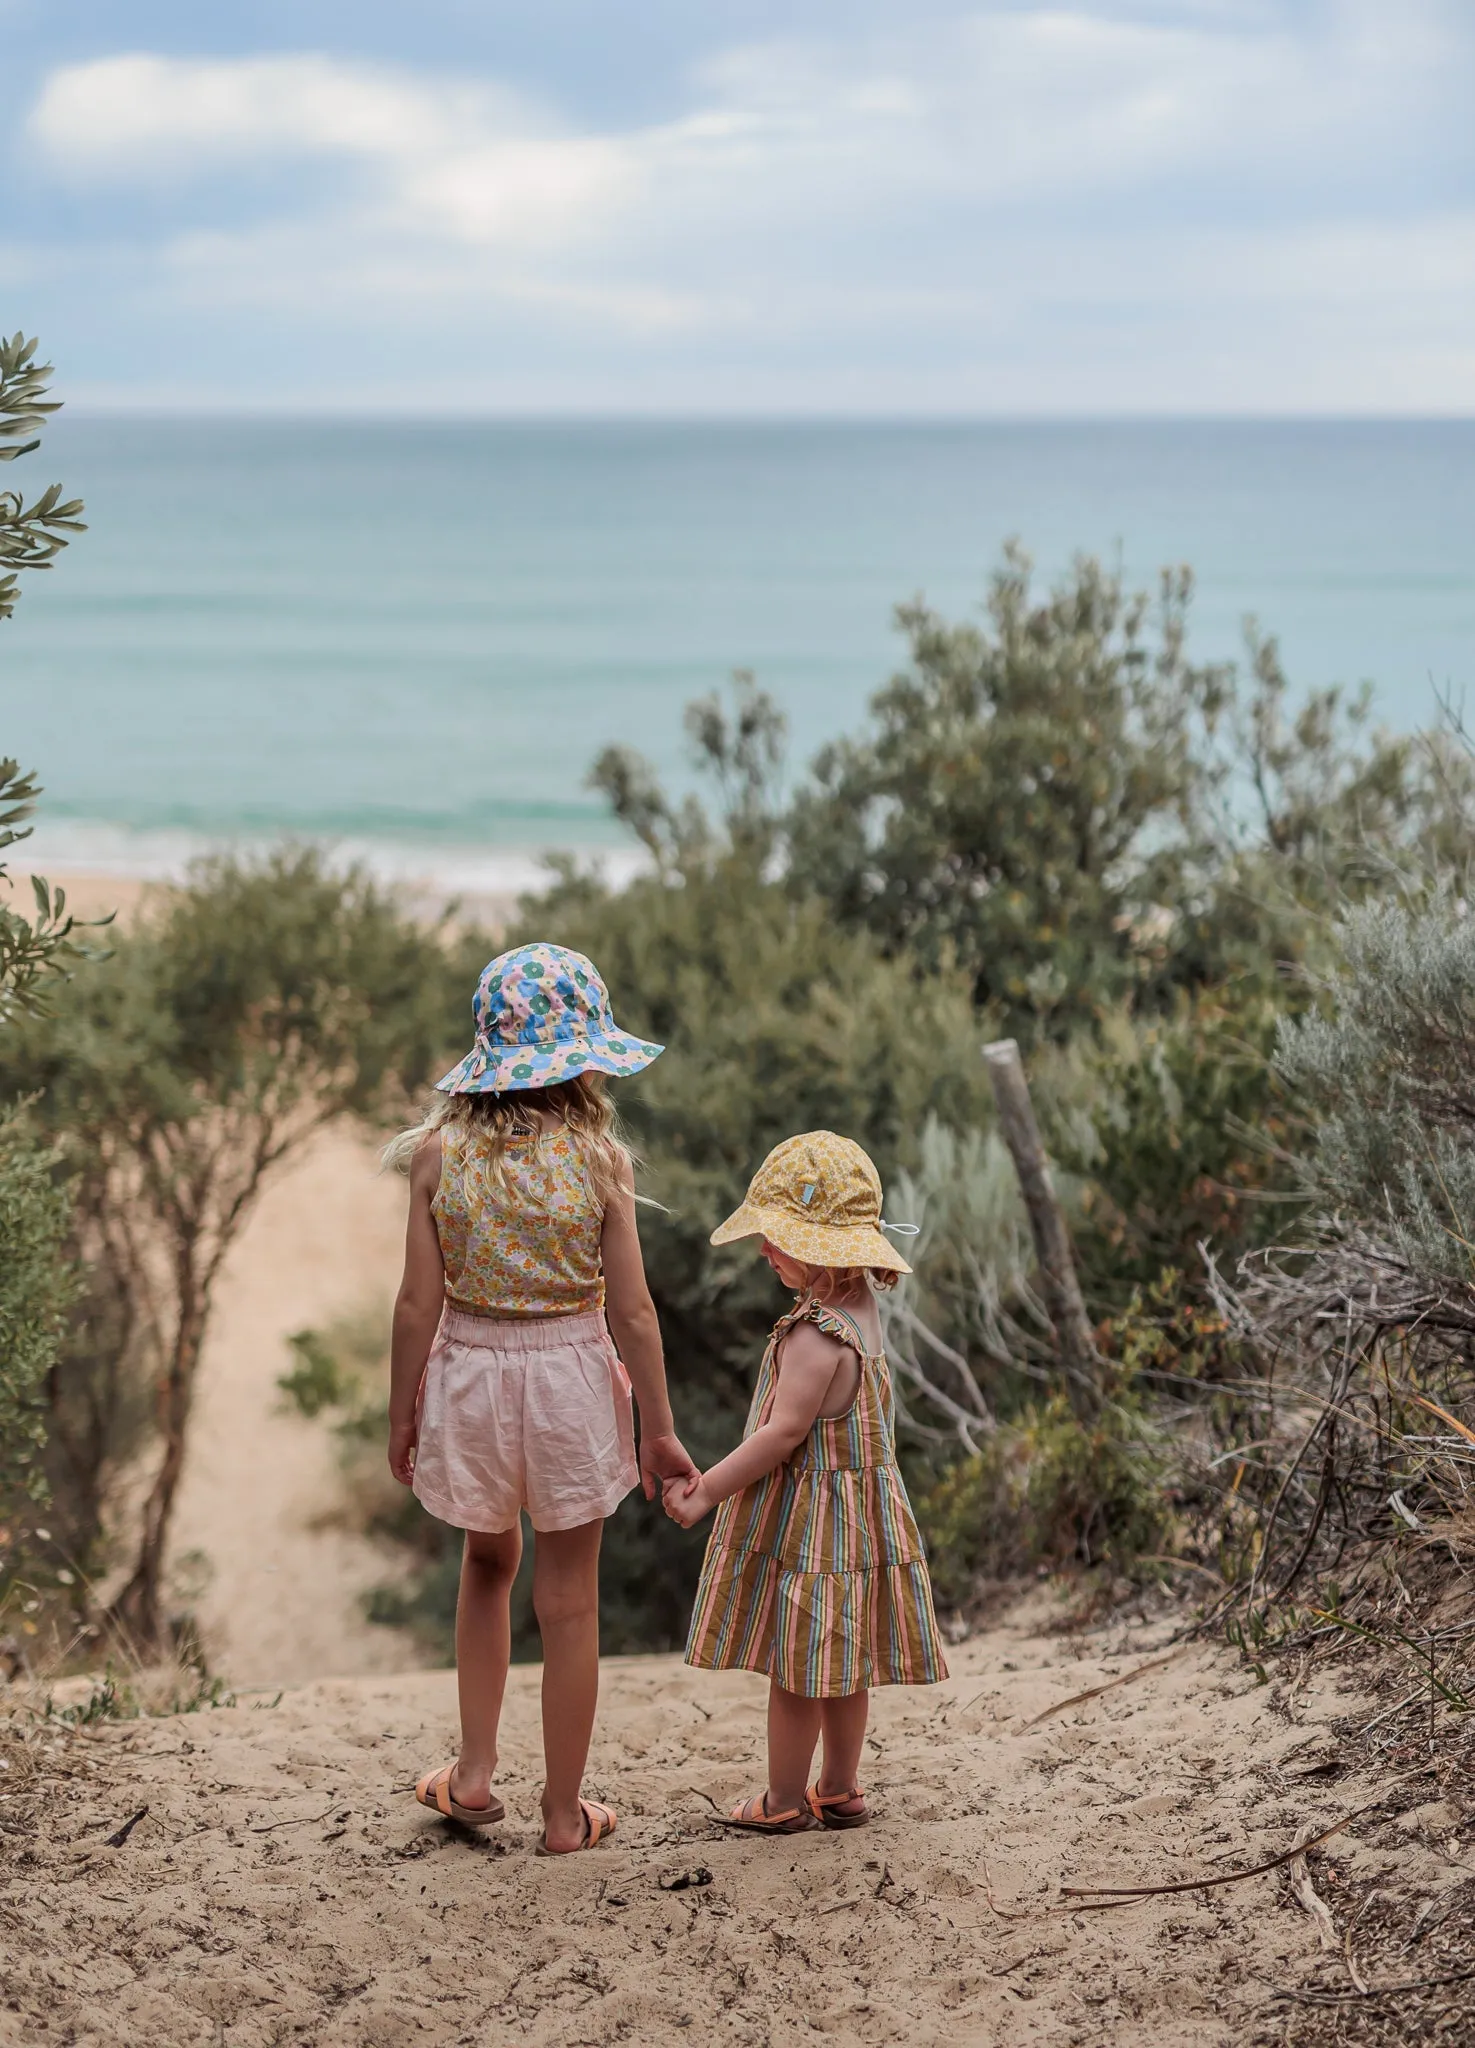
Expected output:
{"points": [[988, 1893], [1349, 1958], [1094, 1692], [120, 1835], [1388, 1712], [1107, 1894], [1310, 1899], [300, 1820]]}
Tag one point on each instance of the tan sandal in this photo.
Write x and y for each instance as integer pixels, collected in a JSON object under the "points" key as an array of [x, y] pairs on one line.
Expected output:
{"points": [[434, 1791], [599, 1823], [753, 1816], [825, 1806]]}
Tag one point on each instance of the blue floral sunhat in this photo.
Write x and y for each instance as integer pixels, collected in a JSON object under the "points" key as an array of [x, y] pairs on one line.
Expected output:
{"points": [[542, 1015]]}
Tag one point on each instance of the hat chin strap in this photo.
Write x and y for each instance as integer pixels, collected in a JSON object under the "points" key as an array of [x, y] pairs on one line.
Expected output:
{"points": [[900, 1229]]}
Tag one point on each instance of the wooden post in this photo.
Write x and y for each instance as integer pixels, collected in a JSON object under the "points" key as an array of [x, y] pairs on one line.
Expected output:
{"points": [[1062, 1289]]}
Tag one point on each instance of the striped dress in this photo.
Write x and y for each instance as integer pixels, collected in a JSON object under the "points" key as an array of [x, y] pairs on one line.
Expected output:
{"points": [[815, 1574]]}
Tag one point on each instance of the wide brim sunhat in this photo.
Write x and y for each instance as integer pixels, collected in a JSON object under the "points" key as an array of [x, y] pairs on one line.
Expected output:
{"points": [[817, 1198], [543, 1015]]}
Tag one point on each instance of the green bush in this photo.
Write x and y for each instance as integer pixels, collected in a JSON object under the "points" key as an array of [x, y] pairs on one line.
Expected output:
{"points": [[1019, 800], [1046, 1490], [1389, 1065], [1174, 1131], [317, 1380], [37, 1284]]}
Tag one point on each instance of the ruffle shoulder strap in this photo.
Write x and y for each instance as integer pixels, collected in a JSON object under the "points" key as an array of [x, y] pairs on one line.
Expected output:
{"points": [[835, 1322]]}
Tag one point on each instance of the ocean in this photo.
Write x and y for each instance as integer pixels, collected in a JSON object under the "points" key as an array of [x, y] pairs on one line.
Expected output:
{"points": [[412, 638]]}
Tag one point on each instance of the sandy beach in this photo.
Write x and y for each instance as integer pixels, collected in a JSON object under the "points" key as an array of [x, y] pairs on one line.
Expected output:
{"points": [[97, 893], [89, 893]]}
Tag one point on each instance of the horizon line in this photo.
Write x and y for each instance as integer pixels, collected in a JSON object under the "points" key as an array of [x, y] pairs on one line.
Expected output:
{"points": [[367, 411]]}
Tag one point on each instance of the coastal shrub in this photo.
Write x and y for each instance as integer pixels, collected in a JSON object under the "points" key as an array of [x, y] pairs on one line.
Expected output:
{"points": [[317, 1380], [1333, 1467], [965, 1335], [34, 952], [1016, 804], [251, 1007], [36, 1287], [1059, 802], [1389, 1063], [38, 952], [31, 535], [1173, 1132], [1047, 1489]]}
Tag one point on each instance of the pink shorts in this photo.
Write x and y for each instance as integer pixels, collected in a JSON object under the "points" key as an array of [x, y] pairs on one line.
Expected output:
{"points": [[533, 1415]]}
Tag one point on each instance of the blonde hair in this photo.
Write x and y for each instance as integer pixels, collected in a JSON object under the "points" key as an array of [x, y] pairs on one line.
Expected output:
{"points": [[825, 1282], [579, 1105]]}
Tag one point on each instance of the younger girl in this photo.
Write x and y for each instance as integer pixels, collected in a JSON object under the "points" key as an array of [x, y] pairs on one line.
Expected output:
{"points": [[815, 1571], [505, 1390]]}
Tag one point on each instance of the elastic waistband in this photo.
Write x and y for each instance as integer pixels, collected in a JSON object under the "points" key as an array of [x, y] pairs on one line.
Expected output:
{"points": [[536, 1333]]}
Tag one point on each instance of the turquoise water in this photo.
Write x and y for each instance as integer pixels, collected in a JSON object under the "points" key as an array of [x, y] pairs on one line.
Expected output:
{"points": [[415, 637]]}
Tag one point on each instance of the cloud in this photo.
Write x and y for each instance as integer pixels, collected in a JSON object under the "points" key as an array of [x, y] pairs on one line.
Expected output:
{"points": [[142, 109], [939, 188], [472, 163]]}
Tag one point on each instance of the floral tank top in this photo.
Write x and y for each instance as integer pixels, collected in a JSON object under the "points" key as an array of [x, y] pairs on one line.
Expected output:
{"points": [[536, 1254]]}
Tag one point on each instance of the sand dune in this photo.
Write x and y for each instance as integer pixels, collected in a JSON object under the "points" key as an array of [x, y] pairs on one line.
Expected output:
{"points": [[284, 1886]]}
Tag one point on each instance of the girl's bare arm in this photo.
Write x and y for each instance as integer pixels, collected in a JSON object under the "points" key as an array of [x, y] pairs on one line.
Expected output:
{"points": [[637, 1333], [808, 1362], [417, 1309]]}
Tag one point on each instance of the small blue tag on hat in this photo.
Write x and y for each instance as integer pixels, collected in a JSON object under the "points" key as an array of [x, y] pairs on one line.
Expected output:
{"points": [[807, 1193]]}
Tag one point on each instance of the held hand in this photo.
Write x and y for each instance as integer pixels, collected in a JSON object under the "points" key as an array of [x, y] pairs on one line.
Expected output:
{"points": [[686, 1501], [662, 1458], [402, 1451]]}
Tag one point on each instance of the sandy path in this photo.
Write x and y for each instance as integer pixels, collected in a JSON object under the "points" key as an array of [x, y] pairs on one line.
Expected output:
{"points": [[284, 1886], [257, 1525]]}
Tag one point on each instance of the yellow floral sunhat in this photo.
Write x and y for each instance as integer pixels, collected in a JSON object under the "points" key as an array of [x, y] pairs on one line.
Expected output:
{"points": [[818, 1198]]}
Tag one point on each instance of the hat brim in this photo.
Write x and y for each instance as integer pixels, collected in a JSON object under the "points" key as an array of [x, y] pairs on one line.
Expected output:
{"points": [[813, 1244], [539, 1066]]}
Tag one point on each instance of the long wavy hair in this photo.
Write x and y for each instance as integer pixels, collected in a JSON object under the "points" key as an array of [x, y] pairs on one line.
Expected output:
{"points": [[579, 1106]]}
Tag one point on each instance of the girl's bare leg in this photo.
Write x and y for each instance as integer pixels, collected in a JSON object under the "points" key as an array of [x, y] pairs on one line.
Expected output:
{"points": [[793, 1730], [483, 1650], [843, 1723], [566, 1602]]}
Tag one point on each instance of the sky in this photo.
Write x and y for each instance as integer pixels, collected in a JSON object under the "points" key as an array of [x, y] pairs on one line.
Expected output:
{"points": [[735, 207]]}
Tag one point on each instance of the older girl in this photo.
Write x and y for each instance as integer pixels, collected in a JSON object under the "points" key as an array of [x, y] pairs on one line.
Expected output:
{"points": [[522, 1262]]}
